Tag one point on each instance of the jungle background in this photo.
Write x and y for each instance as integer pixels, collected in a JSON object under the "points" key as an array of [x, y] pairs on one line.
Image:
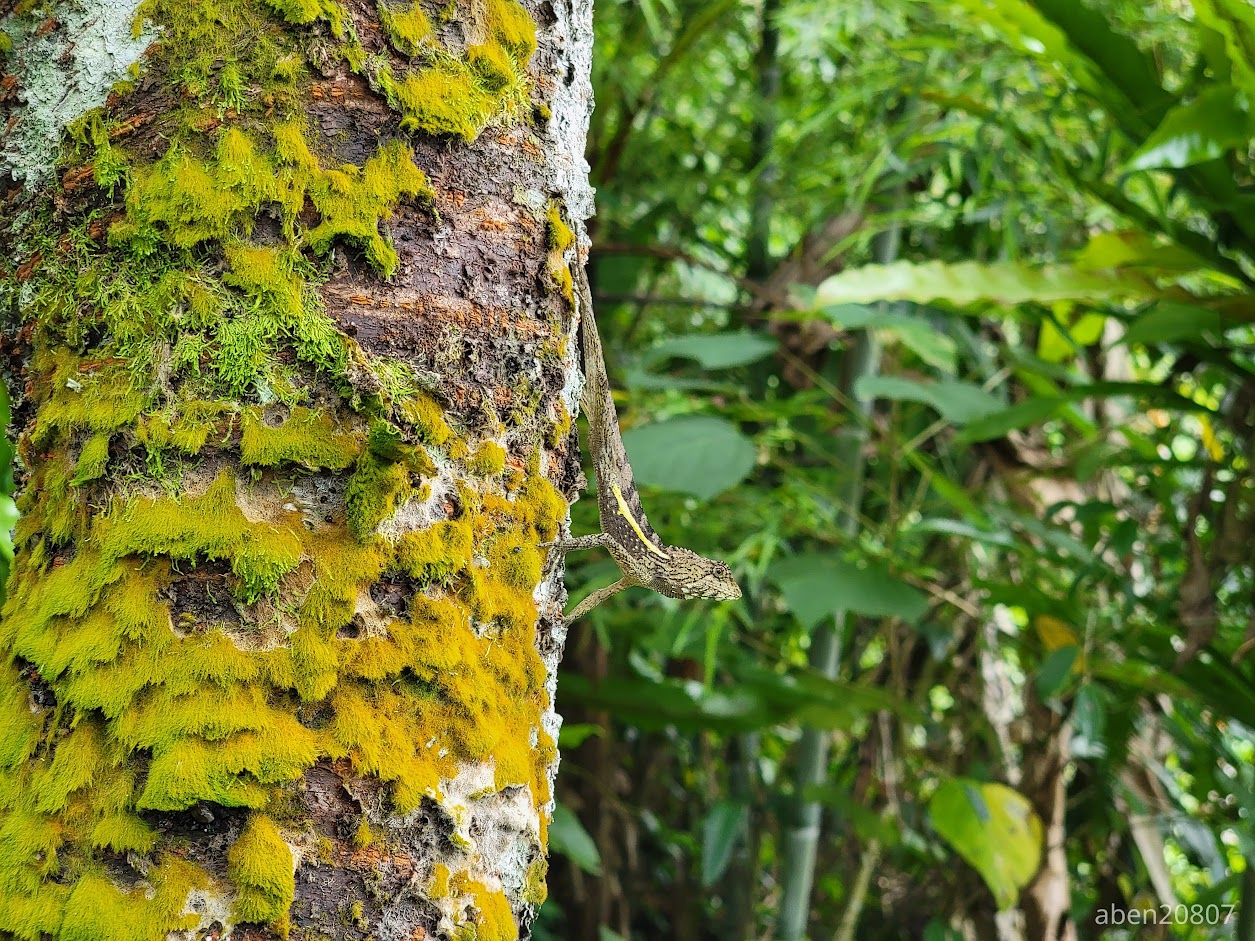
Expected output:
{"points": [[935, 320]]}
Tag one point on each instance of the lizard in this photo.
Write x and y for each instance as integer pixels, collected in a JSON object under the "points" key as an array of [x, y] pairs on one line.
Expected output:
{"points": [[643, 558]]}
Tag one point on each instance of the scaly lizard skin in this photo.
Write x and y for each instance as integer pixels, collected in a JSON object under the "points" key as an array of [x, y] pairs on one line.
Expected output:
{"points": [[625, 531]]}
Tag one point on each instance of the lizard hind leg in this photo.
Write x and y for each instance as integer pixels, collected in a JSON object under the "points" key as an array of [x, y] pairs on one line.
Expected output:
{"points": [[596, 598]]}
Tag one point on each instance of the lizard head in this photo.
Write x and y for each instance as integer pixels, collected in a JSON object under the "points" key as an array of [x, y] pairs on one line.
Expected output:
{"points": [[695, 576]]}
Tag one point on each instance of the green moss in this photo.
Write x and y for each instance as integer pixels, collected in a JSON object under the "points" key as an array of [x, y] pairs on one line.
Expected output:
{"points": [[352, 201], [407, 26], [426, 417], [98, 910], [186, 427], [489, 459], [373, 493], [170, 340], [92, 460], [210, 527], [460, 97], [560, 240], [184, 200], [260, 864], [312, 439], [561, 428], [301, 12]]}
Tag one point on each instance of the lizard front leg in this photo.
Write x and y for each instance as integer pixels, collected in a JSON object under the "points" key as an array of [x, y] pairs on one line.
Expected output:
{"points": [[597, 597], [579, 542]]}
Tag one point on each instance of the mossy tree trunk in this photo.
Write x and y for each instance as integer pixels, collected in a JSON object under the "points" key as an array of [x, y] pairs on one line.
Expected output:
{"points": [[288, 305]]}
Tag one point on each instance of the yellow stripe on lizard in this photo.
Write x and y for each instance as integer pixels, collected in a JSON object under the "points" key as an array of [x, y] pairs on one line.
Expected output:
{"points": [[636, 527]]}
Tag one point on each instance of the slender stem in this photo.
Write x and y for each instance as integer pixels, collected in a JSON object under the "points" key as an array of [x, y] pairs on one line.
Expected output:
{"points": [[801, 836], [1246, 914]]}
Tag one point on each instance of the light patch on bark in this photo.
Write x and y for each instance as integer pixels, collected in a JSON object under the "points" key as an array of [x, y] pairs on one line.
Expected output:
{"points": [[572, 107], [63, 74]]}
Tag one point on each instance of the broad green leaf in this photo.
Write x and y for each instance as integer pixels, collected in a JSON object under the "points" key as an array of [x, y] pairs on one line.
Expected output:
{"points": [[934, 348], [1054, 670], [8, 519], [957, 402], [1169, 320], [947, 527], [694, 454], [1055, 345], [1216, 122], [573, 735], [967, 282], [724, 825], [1020, 415], [1133, 249], [994, 829], [1089, 722], [568, 837], [1235, 21], [716, 350], [916, 334], [816, 586]]}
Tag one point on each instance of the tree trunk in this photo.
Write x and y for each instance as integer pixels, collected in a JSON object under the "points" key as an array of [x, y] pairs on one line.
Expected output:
{"points": [[290, 318]]}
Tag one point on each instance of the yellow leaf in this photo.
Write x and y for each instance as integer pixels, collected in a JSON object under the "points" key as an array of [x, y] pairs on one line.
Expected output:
{"points": [[1054, 633]]}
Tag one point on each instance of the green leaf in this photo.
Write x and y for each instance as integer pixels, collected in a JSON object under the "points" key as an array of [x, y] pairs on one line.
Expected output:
{"points": [[568, 837], [1234, 20], [1055, 669], [957, 402], [716, 350], [967, 282], [816, 586], [916, 334], [1020, 415], [1169, 320], [695, 454], [1214, 123], [994, 829], [964, 530], [724, 825], [8, 519], [573, 735], [1089, 722]]}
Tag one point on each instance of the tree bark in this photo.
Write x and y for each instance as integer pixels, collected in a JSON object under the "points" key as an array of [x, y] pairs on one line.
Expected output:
{"points": [[289, 317]]}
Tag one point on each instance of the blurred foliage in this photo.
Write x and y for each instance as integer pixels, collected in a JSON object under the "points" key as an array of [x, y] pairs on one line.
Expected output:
{"points": [[1044, 617]]}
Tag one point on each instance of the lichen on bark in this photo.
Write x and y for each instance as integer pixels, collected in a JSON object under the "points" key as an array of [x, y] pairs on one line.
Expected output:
{"points": [[276, 592]]}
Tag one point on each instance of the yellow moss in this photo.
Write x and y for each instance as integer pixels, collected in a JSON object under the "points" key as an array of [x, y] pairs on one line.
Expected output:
{"points": [[212, 527], [535, 890], [343, 570], [493, 919], [438, 884], [184, 200], [421, 411], [407, 26], [489, 459], [313, 439], [363, 836], [437, 553], [261, 866]]}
